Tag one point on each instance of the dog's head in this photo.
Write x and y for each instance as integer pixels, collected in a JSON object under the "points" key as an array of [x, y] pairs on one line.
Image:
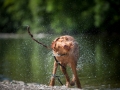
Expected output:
{"points": [[62, 45]]}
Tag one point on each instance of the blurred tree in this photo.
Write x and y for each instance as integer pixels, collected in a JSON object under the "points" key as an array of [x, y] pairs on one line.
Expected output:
{"points": [[13, 13], [40, 18], [112, 20], [70, 17], [107, 16], [56, 16]]}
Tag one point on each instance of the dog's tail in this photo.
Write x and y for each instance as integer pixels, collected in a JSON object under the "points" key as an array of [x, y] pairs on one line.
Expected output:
{"points": [[28, 29]]}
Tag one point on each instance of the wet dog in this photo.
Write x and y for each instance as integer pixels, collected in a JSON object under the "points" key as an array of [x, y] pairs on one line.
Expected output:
{"points": [[66, 51]]}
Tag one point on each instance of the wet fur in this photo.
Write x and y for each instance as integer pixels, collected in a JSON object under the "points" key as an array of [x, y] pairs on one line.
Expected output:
{"points": [[66, 50]]}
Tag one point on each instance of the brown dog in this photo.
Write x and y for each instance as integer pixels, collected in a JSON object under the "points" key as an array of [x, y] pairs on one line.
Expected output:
{"points": [[66, 51]]}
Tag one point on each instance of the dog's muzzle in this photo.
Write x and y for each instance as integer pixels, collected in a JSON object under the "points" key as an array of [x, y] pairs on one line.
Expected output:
{"points": [[56, 54]]}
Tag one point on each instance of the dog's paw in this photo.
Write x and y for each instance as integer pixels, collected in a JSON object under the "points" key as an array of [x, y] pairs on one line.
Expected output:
{"points": [[72, 83]]}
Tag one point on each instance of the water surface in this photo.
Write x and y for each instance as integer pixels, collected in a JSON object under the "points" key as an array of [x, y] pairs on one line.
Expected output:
{"points": [[99, 65]]}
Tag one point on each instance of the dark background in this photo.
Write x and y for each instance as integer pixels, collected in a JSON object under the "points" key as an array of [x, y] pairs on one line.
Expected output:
{"points": [[56, 16]]}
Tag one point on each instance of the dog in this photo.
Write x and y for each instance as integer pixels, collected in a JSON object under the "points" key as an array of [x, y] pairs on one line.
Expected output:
{"points": [[66, 51]]}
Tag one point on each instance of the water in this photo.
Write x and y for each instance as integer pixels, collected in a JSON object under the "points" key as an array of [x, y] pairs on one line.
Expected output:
{"points": [[98, 66]]}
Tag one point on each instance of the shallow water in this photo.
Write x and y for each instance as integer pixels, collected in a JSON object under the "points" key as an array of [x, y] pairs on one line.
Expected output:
{"points": [[98, 66]]}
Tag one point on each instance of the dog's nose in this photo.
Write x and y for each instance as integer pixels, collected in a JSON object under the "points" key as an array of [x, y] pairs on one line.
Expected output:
{"points": [[66, 47]]}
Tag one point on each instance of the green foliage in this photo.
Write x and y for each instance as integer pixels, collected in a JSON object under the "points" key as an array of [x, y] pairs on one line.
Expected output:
{"points": [[56, 16], [101, 9]]}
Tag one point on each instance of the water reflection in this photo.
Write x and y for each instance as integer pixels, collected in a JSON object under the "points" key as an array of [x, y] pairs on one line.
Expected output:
{"points": [[98, 66]]}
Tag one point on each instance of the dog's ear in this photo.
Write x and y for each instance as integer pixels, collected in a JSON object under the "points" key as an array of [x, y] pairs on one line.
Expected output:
{"points": [[53, 45]]}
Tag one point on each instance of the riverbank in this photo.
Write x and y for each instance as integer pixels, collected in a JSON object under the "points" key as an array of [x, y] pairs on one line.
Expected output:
{"points": [[20, 85]]}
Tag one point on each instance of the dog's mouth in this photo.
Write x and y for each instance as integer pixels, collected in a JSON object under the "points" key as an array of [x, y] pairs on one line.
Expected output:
{"points": [[62, 54]]}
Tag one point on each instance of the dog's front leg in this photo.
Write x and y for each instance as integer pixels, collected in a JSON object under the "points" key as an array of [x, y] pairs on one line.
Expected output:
{"points": [[73, 66], [52, 81], [72, 83], [63, 69]]}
